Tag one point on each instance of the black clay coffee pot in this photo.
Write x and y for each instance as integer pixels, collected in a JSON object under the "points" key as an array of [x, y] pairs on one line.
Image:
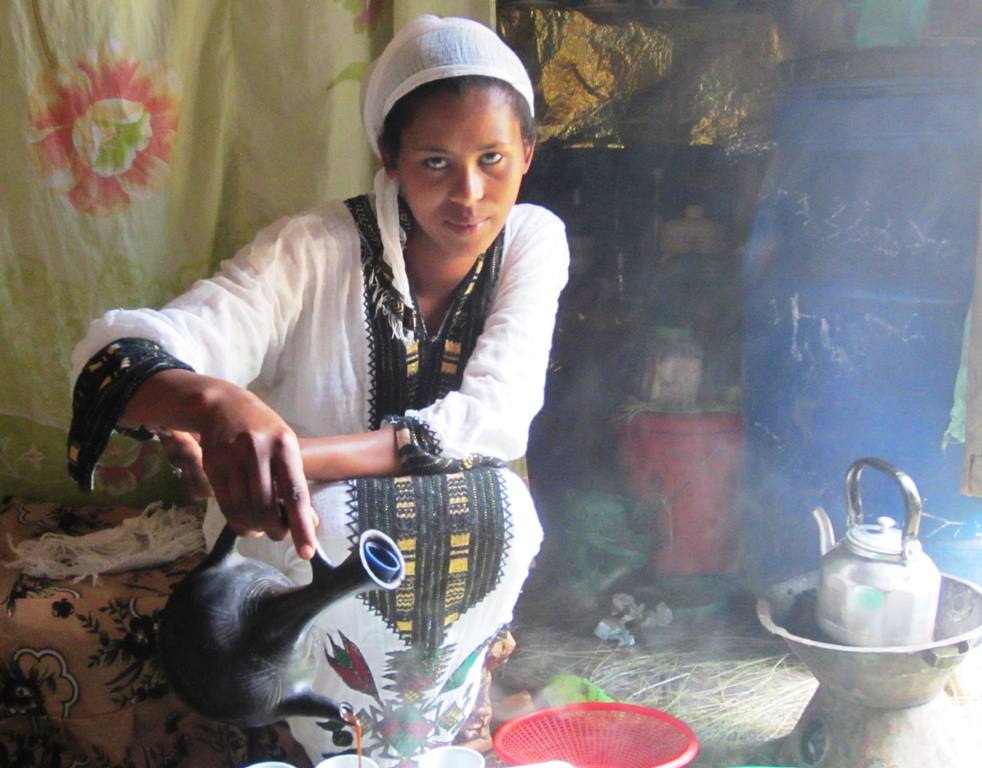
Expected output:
{"points": [[235, 636]]}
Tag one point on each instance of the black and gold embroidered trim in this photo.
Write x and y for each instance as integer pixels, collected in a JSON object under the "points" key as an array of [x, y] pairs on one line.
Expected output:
{"points": [[409, 368], [453, 531], [419, 450], [103, 388]]}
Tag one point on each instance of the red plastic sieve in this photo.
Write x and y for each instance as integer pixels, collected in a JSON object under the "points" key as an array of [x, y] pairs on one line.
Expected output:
{"points": [[598, 735]]}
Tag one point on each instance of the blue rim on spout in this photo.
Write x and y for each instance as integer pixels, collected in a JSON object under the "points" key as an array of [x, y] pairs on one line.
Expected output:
{"points": [[382, 559]]}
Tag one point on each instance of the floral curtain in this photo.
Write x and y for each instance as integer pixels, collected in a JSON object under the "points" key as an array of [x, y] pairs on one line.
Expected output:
{"points": [[141, 142]]}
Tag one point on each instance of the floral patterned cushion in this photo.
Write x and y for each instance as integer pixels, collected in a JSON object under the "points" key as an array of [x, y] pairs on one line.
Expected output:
{"points": [[80, 682]]}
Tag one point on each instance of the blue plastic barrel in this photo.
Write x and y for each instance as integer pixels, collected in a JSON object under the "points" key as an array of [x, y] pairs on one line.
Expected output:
{"points": [[858, 277]]}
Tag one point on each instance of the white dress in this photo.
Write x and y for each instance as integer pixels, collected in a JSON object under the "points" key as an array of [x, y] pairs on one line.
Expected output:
{"points": [[289, 317]]}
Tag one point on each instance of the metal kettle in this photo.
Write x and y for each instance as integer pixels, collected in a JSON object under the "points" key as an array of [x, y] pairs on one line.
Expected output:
{"points": [[877, 586]]}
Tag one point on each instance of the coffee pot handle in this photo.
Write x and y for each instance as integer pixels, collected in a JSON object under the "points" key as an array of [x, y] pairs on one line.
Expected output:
{"points": [[912, 498]]}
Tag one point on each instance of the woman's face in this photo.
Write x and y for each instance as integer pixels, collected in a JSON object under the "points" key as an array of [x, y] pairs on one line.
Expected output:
{"points": [[460, 165]]}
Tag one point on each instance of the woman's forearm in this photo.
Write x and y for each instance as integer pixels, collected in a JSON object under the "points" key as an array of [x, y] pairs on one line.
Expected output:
{"points": [[251, 457], [341, 457], [175, 399], [183, 400]]}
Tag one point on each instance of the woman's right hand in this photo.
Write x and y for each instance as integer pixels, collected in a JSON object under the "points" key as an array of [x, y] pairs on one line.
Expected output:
{"points": [[253, 462], [250, 455], [184, 451]]}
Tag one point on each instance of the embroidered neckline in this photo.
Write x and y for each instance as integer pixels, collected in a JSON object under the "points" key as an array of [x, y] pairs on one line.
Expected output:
{"points": [[408, 367]]}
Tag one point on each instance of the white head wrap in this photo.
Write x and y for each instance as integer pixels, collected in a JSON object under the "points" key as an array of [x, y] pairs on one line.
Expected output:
{"points": [[428, 48]]}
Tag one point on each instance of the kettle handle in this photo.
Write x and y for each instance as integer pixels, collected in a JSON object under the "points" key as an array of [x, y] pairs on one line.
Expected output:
{"points": [[912, 498]]}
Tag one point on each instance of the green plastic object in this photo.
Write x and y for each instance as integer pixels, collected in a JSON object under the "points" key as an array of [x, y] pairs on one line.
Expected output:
{"points": [[571, 689]]}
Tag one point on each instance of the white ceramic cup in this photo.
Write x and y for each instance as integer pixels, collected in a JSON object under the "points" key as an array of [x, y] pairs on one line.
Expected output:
{"points": [[451, 757], [346, 761], [270, 764], [550, 764]]}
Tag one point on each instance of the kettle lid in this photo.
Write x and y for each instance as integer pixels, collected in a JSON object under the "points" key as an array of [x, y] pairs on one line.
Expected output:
{"points": [[882, 539]]}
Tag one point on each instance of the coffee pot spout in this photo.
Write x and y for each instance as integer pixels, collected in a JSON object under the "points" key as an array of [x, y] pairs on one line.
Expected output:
{"points": [[307, 703]]}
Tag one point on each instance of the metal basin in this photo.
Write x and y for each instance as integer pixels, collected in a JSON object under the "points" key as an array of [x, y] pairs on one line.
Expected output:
{"points": [[892, 677]]}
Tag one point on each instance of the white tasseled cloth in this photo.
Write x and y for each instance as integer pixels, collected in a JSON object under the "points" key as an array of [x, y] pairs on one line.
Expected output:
{"points": [[158, 535], [428, 48]]}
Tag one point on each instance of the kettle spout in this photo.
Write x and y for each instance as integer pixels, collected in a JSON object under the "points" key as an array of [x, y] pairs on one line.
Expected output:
{"points": [[826, 533]]}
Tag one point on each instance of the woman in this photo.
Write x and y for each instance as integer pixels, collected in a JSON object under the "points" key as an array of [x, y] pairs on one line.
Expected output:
{"points": [[389, 350]]}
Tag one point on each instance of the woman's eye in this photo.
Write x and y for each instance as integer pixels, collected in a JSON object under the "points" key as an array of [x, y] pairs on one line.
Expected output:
{"points": [[435, 163], [491, 158]]}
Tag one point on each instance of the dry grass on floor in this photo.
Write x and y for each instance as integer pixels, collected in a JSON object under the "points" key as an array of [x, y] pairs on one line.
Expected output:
{"points": [[740, 691], [732, 690]]}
